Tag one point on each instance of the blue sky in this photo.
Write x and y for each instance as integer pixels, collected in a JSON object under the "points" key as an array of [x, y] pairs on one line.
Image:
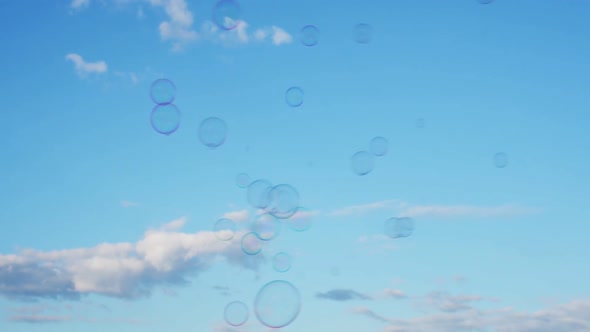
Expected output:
{"points": [[107, 224]]}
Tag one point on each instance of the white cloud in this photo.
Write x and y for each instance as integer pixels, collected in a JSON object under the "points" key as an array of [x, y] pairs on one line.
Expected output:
{"points": [[163, 256], [178, 28], [240, 35], [79, 4], [280, 36], [84, 68], [454, 211], [365, 208], [239, 216]]}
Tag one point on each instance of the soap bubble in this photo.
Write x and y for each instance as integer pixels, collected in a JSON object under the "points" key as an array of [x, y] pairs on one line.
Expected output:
{"points": [[363, 33], [310, 35], [277, 304], [281, 262], [284, 201], [362, 163], [294, 96], [399, 227], [379, 146], [420, 123], [163, 91], [165, 119], [236, 313], [301, 220], [212, 132], [267, 226], [224, 229], [251, 243], [243, 180], [258, 193], [500, 159], [226, 14]]}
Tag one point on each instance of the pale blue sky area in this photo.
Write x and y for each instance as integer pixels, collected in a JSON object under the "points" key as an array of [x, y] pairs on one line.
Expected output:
{"points": [[107, 224]]}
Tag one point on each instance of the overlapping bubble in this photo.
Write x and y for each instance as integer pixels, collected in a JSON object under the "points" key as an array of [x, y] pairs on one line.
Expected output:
{"points": [[224, 229], [283, 201], [251, 243], [399, 227], [266, 226], [258, 193], [227, 14], [301, 220]]}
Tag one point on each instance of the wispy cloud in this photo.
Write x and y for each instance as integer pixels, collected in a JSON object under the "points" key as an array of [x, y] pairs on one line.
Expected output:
{"points": [[241, 35], [164, 256], [342, 295], [446, 302], [127, 204], [38, 319], [455, 211], [179, 26], [370, 313], [365, 208], [239, 215], [84, 68], [79, 4]]}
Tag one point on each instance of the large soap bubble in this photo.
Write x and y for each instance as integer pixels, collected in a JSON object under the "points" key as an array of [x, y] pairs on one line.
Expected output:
{"points": [[163, 91], [277, 304], [258, 193], [362, 163], [283, 201], [226, 14]]}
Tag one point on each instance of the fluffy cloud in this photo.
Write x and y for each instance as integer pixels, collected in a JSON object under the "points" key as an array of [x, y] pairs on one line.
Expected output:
{"points": [[128, 270], [178, 28], [240, 35], [84, 68]]}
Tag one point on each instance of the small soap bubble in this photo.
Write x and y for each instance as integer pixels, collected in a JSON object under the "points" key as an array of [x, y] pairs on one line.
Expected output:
{"points": [[212, 132], [294, 96], [420, 123], [236, 313], [163, 91], [362, 163], [399, 227], [379, 146], [227, 14], [500, 159], [281, 262], [363, 33], [284, 201], [251, 243], [301, 220], [266, 226], [310, 35], [277, 304], [258, 193], [243, 180], [224, 229], [165, 119]]}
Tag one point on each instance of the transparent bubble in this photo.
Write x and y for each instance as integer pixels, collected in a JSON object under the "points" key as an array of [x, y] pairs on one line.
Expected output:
{"points": [[399, 227], [243, 180], [363, 33], [227, 14], [310, 35], [294, 96], [281, 262], [420, 123], [362, 163], [485, 2], [236, 313], [267, 226], [335, 271], [284, 201], [212, 132], [500, 159], [379, 146], [165, 119], [301, 220], [258, 193], [224, 229], [277, 304], [163, 91], [251, 243]]}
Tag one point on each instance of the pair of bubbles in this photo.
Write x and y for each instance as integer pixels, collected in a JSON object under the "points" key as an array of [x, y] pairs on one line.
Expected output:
{"points": [[277, 304], [362, 34], [165, 117], [399, 227], [363, 162]]}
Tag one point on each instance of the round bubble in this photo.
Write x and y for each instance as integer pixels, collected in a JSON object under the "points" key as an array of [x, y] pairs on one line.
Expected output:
{"points": [[251, 243], [301, 220], [165, 119], [294, 96], [243, 180], [267, 226], [399, 227], [379, 146], [277, 304], [362, 162], [236, 313], [281, 262], [420, 123], [258, 193], [363, 33], [224, 229], [226, 14], [310, 35], [284, 201], [485, 2], [212, 132], [500, 159], [163, 91]]}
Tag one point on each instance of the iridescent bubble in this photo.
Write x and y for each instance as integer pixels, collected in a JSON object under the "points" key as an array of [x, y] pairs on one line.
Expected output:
{"points": [[284, 201], [165, 119], [362, 163], [310, 35], [301, 220], [500, 159], [267, 226], [277, 304], [379, 146], [251, 243], [163, 91], [212, 132], [281, 262], [236, 313], [227, 14], [294, 96], [258, 193], [224, 229], [363, 33], [399, 227], [243, 180]]}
